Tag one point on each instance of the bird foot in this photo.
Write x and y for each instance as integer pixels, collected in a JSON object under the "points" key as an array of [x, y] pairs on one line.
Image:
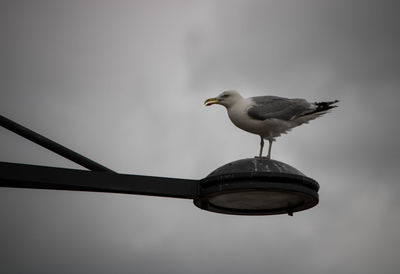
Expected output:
{"points": [[262, 157]]}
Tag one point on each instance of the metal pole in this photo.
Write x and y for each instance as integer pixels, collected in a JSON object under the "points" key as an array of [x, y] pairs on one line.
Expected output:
{"points": [[51, 145], [43, 177]]}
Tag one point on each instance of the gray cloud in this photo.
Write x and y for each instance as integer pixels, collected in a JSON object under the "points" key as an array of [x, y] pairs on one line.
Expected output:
{"points": [[123, 83]]}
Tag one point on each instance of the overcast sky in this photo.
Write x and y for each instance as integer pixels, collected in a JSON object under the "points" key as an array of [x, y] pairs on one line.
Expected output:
{"points": [[123, 83]]}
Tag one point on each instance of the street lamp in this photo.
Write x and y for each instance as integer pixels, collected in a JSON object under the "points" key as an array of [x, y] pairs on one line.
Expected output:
{"points": [[254, 186], [257, 186]]}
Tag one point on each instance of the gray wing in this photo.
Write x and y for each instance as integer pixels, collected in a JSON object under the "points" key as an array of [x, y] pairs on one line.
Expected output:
{"points": [[267, 107]]}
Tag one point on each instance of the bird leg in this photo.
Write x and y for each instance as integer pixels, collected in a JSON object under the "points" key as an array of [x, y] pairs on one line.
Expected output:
{"points": [[261, 146], [269, 148]]}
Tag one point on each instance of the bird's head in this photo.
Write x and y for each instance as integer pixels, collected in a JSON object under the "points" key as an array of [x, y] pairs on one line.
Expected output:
{"points": [[227, 98]]}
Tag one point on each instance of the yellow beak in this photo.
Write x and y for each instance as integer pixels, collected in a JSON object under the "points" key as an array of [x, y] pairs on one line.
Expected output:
{"points": [[211, 101]]}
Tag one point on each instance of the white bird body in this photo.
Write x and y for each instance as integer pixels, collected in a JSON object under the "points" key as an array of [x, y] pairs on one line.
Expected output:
{"points": [[266, 128], [268, 116], [237, 113]]}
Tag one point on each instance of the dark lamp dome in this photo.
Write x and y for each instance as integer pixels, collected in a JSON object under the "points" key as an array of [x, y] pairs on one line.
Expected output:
{"points": [[257, 186]]}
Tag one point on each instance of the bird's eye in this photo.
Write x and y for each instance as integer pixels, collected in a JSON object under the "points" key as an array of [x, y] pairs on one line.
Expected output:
{"points": [[225, 95]]}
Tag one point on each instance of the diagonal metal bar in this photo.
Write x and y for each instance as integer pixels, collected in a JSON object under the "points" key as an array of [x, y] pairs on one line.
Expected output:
{"points": [[51, 145], [41, 177]]}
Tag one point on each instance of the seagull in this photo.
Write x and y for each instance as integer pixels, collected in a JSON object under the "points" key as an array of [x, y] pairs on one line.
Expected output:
{"points": [[269, 116]]}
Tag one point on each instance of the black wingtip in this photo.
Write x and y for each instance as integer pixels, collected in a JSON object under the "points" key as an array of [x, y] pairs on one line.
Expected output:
{"points": [[322, 107], [328, 103]]}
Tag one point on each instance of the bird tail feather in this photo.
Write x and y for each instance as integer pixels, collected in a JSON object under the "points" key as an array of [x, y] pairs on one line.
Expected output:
{"points": [[322, 108]]}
